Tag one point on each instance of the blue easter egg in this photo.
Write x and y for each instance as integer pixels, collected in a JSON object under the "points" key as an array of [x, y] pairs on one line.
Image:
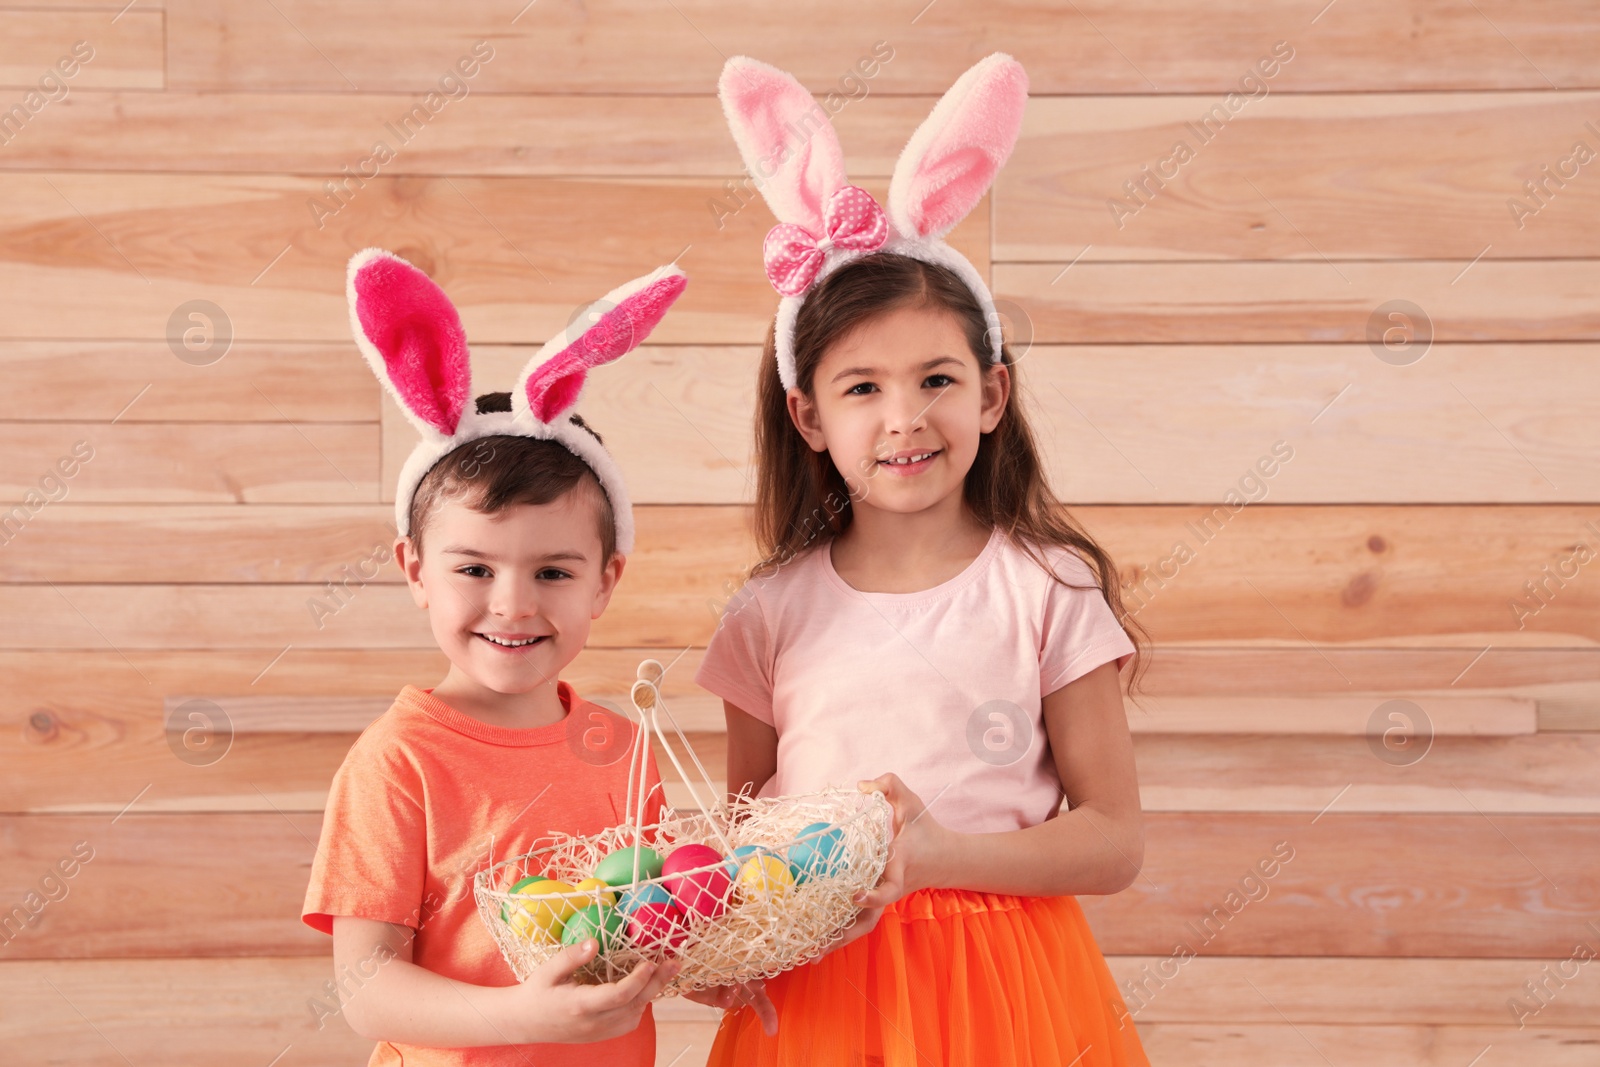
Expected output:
{"points": [[822, 855], [639, 896]]}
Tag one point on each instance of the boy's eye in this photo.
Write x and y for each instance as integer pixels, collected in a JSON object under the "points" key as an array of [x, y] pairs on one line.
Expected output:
{"points": [[548, 574]]}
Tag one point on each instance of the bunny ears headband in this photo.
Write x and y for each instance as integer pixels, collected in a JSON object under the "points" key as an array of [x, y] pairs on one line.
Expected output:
{"points": [[824, 222], [411, 335]]}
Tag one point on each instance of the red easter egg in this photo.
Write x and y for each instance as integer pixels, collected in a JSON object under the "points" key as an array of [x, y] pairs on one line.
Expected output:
{"points": [[705, 892], [650, 925]]}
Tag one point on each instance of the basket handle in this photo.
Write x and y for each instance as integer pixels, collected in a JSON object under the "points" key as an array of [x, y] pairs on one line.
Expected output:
{"points": [[649, 703]]}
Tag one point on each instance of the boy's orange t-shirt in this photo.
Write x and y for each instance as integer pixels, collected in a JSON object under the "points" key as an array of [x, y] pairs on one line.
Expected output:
{"points": [[423, 795]]}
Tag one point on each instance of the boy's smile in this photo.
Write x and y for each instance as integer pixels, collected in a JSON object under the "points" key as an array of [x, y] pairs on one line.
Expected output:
{"points": [[511, 597]]}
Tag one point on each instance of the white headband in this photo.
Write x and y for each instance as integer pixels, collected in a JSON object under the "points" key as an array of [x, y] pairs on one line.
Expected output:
{"points": [[790, 147], [411, 336]]}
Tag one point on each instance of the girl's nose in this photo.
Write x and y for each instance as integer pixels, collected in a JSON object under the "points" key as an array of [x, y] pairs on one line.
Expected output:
{"points": [[907, 411]]}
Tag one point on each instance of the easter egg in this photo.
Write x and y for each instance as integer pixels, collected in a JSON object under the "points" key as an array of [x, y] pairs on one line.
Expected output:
{"points": [[589, 884], [617, 868], [765, 878], [702, 892], [823, 855], [539, 913], [604, 924], [639, 896], [656, 924], [518, 886], [737, 857]]}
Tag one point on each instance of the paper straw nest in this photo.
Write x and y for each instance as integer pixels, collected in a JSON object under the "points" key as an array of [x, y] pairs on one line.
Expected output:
{"points": [[760, 935], [766, 928]]}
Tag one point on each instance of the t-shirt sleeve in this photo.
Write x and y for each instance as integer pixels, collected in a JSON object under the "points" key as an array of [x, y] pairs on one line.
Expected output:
{"points": [[738, 662], [371, 861], [1080, 632]]}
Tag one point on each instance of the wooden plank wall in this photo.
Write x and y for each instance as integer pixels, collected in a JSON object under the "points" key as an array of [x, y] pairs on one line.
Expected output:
{"points": [[1429, 541]]}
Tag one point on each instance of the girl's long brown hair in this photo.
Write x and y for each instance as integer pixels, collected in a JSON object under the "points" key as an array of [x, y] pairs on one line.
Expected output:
{"points": [[801, 498]]}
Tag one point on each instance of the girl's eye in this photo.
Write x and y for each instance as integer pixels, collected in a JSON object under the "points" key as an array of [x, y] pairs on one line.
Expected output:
{"points": [[859, 385], [939, 381], [474, 570]]}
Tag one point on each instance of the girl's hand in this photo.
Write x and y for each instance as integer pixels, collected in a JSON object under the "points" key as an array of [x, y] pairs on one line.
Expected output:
{"points": [[920, 853], [751, 993], [549, 1006], [864, 921]]}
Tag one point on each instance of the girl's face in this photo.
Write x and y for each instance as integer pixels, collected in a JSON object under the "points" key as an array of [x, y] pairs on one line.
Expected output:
{"points": [[511, 596], [899, 404]]}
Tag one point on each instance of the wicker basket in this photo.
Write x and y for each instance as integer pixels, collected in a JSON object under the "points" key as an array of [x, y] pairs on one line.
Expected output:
{"points": [[774, 915]]}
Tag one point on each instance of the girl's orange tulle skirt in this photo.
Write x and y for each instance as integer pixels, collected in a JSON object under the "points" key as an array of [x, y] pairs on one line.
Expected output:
{"points": [[948, 978]]}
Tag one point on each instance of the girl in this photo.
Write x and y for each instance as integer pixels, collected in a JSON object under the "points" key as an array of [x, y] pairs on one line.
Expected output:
{"points": [[926, 620]]}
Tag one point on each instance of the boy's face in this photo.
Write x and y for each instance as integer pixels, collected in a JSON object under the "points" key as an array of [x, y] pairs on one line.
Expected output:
{"points": [[511, 596]]}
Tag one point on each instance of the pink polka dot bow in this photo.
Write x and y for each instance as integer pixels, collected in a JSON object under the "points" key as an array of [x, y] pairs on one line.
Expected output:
{"points": [[793, 255]]}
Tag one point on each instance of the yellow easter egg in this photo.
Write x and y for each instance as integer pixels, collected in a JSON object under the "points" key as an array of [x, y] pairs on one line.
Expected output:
{"points": [[606, 897], [523, 925], [539, 914], [765, 878]]}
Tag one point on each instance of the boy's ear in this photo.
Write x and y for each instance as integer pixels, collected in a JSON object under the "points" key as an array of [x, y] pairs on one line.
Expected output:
{"points": [[609, 577], [410, 564]]}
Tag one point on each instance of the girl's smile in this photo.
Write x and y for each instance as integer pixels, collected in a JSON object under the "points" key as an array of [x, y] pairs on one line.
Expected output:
{"points": [[909, 461]]}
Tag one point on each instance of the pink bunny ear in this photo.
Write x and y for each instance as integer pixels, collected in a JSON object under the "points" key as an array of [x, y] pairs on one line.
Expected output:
{"points": [[786, 138], [953, 157], [611, 327], [411, 335]]}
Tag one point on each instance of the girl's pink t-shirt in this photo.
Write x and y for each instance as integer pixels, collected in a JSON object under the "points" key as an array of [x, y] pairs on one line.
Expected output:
{"points": [[943, 687]]}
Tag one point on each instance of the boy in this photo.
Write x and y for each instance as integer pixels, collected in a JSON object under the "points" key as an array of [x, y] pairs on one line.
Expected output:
{"points": [[512, 554], [514, 526]]}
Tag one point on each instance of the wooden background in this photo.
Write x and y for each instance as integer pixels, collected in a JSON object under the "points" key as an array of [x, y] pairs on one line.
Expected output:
{"points": [[1436, 870]]}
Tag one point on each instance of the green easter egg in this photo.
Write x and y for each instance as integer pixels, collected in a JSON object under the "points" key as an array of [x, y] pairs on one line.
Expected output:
{"points": [[617, 868], [604, 924]]}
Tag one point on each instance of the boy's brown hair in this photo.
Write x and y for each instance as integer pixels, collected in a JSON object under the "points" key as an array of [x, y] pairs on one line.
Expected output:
{"points": [[493, 473]]}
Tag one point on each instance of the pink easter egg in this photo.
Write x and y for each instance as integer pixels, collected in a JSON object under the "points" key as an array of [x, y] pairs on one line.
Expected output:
{"points": [[650, 925], [704, 892]]}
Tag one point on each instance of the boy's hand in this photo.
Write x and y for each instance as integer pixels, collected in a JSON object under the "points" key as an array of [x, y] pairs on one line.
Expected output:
{"points": [[729, 996], [549, 1006]]}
